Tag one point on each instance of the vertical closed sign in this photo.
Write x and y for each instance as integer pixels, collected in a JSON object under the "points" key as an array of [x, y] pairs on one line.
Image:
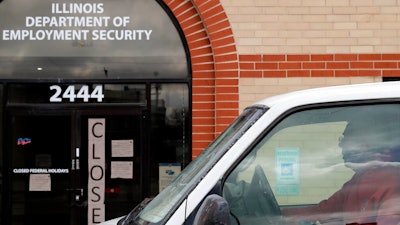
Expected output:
{"points": [[96, 162]]}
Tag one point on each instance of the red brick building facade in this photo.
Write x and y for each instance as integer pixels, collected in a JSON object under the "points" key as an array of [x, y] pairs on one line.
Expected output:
{"points": [[218, 67]]}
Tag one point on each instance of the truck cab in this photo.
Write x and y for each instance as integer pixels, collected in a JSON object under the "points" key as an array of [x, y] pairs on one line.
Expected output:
{"points": [[321, 156]]}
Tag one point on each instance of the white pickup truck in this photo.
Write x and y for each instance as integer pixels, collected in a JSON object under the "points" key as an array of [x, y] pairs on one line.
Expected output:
{"points": [[320, 156]]}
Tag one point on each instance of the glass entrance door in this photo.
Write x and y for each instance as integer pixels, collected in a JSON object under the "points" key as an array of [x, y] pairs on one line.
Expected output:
{"points": [[40, 185], [112, 153], [62, 174]]}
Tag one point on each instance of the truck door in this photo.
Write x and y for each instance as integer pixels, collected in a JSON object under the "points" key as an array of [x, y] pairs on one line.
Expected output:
{"points": [[333, 165]]}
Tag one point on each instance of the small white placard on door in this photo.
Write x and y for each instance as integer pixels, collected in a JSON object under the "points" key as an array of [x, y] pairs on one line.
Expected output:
{"points": [[122, 169], [122, 148], [287, 171], [39, 182], [167, 172]]}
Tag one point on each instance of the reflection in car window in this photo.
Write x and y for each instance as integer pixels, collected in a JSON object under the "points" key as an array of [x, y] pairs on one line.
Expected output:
{"points": [[333, 165]]}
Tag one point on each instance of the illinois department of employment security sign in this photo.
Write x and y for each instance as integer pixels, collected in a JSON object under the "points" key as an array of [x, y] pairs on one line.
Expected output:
{"points": [[76, 21]]}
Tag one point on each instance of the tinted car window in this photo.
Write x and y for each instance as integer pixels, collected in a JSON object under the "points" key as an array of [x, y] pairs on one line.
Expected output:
{"points": [[336, 165]]}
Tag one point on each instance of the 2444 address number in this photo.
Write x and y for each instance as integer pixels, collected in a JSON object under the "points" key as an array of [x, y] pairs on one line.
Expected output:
{"points": [[72, 93]]}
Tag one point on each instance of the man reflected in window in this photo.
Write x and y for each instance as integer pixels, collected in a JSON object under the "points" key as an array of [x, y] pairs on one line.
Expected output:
{"points": [[372, 195]]}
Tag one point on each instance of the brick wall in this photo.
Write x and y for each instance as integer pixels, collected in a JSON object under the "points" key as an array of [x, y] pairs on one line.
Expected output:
{"points": [[313, 26], [255, 89], [214, 65], [266, 75], [244, 50]]}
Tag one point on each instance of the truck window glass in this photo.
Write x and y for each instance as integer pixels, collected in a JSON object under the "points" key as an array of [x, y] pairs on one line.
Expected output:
{"points": [[337, 165]]}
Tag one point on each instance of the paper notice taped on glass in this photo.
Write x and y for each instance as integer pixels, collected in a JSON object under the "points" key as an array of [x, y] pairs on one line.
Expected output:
{"points": [[122, 148], [39, 182], [122, 169]]}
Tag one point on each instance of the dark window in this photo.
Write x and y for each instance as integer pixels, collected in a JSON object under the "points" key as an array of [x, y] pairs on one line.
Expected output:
{"points": [[385, 79], [170, 139]]}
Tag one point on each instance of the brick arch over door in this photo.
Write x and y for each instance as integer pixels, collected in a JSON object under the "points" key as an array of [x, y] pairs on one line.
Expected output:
{"points": [[215, 76]]}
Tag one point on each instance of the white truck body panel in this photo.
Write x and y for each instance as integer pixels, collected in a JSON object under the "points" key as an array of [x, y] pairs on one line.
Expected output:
{"points": [[278, 105]]}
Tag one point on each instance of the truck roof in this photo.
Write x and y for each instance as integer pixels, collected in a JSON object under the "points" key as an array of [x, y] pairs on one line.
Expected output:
{"points": [[352, 92]]}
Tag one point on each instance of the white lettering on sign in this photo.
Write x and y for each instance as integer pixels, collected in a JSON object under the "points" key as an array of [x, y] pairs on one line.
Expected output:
{"points": [[68, 21], [76, 35], [96, 163], [40, 170], [71, 94], [64, 20], [65, 8]]}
